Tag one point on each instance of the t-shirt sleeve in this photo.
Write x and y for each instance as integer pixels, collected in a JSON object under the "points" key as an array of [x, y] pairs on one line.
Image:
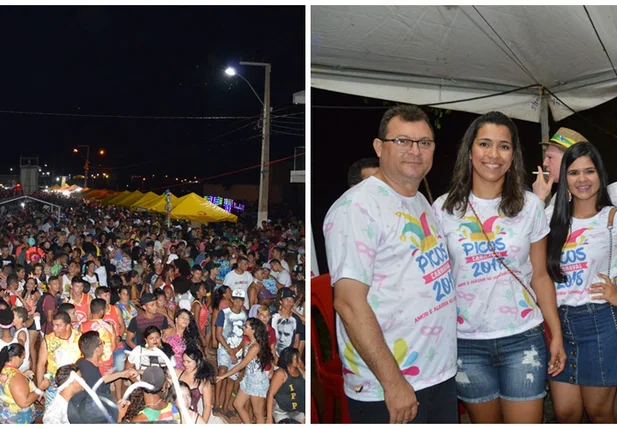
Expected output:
{"points": [[227, 279], [220, 319], [351, 233], [299, 325], [133, 325], [539, 226]]}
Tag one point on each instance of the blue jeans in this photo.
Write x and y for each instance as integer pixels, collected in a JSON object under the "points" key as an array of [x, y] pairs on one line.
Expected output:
{"points": [[513, 368]]}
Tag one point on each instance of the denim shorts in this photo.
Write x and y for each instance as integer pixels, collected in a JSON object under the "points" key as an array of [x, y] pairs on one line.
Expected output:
{"points": [[590, 342], [513, 368], [119, 358], [223, 359]]}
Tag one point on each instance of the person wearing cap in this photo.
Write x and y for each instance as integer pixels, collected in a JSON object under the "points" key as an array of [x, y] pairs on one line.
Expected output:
{"points": [[156, 408], [229, 329], [264, 298], [286, 324], [555, 148], [150, 317], [240, 278]]}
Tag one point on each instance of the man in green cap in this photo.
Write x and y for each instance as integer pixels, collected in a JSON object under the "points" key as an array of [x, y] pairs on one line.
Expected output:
{"points": [[556, 146]]}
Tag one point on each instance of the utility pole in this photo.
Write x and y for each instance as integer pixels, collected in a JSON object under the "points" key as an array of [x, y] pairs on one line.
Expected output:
{"points": [[264, 180]]}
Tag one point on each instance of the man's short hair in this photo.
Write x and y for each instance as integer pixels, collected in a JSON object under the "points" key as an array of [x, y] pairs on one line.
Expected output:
{"points": [[354, 176], [61, 315], [77, 279], [407, 113], [64, 372], [97, 306], [66, 307], [88, 342], [12, 279], [101, 290], [21, 312]]}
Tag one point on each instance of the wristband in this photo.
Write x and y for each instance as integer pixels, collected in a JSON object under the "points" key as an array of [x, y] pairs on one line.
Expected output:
{"points": [[38, 391]]}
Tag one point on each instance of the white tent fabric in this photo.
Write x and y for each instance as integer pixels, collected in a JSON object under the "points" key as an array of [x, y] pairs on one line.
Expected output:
{"points": [[433, 54]]}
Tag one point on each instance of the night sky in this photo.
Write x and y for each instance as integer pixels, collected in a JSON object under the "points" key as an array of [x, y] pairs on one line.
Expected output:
{"points": [[352, 132], [149, 61]]}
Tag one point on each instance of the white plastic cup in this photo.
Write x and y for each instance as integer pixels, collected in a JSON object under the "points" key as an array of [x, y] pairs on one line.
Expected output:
{"points": [[37, 322]]}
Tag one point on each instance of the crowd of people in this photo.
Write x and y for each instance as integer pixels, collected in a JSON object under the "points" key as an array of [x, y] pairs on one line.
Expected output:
{"points": [[494, 294], [108, 315]]}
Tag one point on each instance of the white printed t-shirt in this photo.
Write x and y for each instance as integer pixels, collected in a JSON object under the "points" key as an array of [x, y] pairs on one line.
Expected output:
{"points": [[391, 243], [235, 281], [491, 303], [585, 254]]}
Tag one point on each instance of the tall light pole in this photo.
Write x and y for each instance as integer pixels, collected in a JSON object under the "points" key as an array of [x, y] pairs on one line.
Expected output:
{"points": [[87, 164], [264, 182]]}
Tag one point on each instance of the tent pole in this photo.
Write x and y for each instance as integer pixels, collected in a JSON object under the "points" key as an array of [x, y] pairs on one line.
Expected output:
{"points": [[544, 125]]}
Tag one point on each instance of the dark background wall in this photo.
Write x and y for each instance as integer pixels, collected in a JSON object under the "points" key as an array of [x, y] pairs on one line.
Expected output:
{"points": [[341, 136]]}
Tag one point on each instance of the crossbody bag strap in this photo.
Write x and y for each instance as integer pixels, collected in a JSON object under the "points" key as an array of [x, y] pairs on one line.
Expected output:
{"points": [[611, 217], [499, 258]]}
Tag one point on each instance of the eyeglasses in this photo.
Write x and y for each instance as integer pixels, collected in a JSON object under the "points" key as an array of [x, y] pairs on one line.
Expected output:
{"points": [[424, 144]]}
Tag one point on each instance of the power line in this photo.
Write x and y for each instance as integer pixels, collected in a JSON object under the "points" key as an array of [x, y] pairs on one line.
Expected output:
{"points": [[287, 115], [287, 128], [79, 115], [286, 133], [230, 172], [600, 40]]}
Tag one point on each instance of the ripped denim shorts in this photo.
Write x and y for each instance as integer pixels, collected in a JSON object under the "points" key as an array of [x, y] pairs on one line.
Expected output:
{"points": [[513, 368]]}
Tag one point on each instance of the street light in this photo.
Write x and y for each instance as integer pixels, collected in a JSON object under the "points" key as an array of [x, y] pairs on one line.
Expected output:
{"points": [[262, 210], [87, 164]]}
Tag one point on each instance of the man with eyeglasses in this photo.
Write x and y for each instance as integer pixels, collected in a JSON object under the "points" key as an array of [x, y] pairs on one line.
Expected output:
{"points": [[393, 289]]}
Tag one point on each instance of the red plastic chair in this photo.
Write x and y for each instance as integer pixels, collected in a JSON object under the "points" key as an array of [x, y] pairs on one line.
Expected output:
{"points": [[314, 413], [330, 373]]}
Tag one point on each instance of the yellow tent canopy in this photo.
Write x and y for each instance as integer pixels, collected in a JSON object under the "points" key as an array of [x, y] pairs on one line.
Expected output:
{"points": [[132, 198], [196, 208], [139, 204], [117, 198], [159, 205]]}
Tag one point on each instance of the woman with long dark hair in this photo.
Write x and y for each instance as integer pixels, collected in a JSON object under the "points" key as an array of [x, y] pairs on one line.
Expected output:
{"points": [[496, 239], [258, 361], [582, 261], [221, 301], [139, 358], [183, 335], [200, 376], [286, 392], [17, 393]]}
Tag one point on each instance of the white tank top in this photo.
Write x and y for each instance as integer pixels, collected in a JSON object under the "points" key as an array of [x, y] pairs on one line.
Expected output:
{"points": [[26, 365]]}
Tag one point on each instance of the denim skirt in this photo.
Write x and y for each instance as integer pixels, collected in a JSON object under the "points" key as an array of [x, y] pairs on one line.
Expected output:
{"points": [[590, 342]]}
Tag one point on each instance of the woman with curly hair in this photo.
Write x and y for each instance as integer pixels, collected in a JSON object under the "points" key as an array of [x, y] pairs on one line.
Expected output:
{"points": [[258, 361], [200, 377], [183, 335]]}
